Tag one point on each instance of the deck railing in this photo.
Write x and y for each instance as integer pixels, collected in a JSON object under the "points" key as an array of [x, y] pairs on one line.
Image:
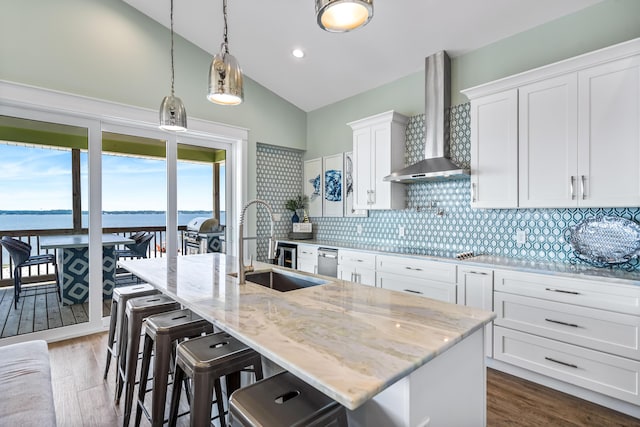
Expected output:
{"points": [[43, 272]]}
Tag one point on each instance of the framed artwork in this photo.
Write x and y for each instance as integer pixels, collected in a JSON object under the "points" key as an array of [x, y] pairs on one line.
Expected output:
{"points": [[312, 186], [348, 188], [333, 186]]}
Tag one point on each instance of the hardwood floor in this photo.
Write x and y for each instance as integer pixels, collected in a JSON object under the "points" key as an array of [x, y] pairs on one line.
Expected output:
{"points": [[82, 398], [514, 402]]}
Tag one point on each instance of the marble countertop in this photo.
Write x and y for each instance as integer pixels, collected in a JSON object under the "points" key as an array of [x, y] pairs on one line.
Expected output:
{"points": [[611, 275], [347, 340]]}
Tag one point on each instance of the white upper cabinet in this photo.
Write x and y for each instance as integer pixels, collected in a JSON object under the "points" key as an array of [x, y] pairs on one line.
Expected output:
{"points": [[548, 142], [577, 134], [494, 150], [378, 149], [609, 134]]}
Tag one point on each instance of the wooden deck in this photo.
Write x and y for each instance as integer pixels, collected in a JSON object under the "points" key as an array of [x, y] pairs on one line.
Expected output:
{"points": [[38, 310]]}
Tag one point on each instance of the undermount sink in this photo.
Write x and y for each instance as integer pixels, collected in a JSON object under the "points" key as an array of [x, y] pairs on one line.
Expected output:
{"points": [[280, 280]]}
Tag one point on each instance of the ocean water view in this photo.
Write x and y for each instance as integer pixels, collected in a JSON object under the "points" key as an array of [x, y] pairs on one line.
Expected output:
{"points": [[45, 220]]}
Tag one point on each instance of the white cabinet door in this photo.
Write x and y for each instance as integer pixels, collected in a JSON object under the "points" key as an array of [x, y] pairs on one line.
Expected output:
{"points": [[362, 168], [609, 134], [494, 150], [307, 258], [475, 289], [548, 142], [358, 267], [378, 149], [307, 266], [351, 273]]}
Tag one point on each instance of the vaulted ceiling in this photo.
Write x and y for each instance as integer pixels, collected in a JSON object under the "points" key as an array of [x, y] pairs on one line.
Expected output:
{"points": [[401, 34]]}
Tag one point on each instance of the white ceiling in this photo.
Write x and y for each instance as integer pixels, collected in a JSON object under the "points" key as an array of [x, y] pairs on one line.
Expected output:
{"points": [[394, 44]]}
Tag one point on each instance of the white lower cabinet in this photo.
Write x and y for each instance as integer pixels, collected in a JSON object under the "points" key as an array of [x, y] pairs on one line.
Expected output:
{"points": [[594, 370], [584, 332], [431, 279], [475, 289], [602, 330], [307, 258], [358, 267]]}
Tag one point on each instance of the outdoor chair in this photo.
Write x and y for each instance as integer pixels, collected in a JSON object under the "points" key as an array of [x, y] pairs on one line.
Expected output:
{"points": [[137, 236], [138, 249], [20, 253]]}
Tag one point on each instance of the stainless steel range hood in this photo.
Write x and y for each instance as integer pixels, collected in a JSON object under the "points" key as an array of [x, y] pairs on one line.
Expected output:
{"points": [[436, 165]]}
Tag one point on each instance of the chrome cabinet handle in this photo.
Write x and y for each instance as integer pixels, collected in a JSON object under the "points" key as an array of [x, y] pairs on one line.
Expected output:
{"points": [[562, 291], [413, 269], [473, 192], [373, 197], [571, 187], [571, 365], [478, 272], [413, 292], [582, 185], [559, 322]]}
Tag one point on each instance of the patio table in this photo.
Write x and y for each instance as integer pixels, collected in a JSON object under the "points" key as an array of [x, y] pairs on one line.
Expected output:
{"points": [[72, 255]]}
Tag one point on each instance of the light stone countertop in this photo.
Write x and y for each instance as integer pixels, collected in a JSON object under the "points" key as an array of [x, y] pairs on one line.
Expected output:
{"points": [[583, 271], [347, 340]]}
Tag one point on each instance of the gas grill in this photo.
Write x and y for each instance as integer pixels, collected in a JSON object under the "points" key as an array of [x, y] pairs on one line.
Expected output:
{"points": [[203, 235]]}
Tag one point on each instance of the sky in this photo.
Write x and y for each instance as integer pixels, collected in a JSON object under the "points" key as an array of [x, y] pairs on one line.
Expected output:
{"points": [[40, 179]]}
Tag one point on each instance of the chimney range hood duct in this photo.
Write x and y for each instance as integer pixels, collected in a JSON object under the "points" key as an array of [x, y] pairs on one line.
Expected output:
{"points": [[436, 165]]}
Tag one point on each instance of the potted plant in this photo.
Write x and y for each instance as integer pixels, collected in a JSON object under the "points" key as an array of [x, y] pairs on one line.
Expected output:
{"points": [[295, 205]]}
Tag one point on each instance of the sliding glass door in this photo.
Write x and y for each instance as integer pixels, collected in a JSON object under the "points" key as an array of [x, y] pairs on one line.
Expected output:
{"points": [[42, 159]]}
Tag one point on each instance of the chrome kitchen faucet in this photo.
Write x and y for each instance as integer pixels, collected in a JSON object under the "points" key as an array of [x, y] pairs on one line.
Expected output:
{"points": [[242, 269]]}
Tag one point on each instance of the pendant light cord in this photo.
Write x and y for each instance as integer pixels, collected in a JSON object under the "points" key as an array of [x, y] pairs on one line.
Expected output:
{"points": [[172, 67], [225, 35]]}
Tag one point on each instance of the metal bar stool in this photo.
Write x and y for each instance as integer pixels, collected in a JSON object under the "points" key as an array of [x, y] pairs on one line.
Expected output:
{"points": [[205, 360], [118, 303], [284, 400], [162, 333], [137, 310]]}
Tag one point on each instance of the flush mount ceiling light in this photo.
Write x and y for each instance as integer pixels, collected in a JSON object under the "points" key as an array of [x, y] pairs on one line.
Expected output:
{"points": [[173, 116], [340, 16], [225, 75], [298, 53]]}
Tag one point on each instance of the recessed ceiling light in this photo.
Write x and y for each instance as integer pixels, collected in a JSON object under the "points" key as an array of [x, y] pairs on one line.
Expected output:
{"points": [[298, 53]]}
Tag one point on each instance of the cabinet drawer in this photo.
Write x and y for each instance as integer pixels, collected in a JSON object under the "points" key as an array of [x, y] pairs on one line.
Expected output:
{"points": [[420, 287], [610, 375], [587, 293], [308, 252], [355, 258], [606, 331], [419, 268]]}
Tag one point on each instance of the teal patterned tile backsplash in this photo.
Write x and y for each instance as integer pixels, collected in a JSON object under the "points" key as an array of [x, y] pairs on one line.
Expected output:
{"points": [[460, 228]]}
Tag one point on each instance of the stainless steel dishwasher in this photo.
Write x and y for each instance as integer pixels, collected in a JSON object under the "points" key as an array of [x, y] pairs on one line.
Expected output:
{"points": [[328, 262]]}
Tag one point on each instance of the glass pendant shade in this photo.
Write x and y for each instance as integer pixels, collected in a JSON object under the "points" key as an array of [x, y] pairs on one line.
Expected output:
{"points": [[173, 115], [340, 16], [225, 80]]}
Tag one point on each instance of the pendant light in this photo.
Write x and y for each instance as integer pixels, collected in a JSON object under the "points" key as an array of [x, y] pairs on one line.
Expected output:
{"points": [[340, 16], [173, 116], [225, 75]]}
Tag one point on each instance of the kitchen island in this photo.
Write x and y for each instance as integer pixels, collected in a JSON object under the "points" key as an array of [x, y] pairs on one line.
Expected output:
{"points": [[390, 358]]}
